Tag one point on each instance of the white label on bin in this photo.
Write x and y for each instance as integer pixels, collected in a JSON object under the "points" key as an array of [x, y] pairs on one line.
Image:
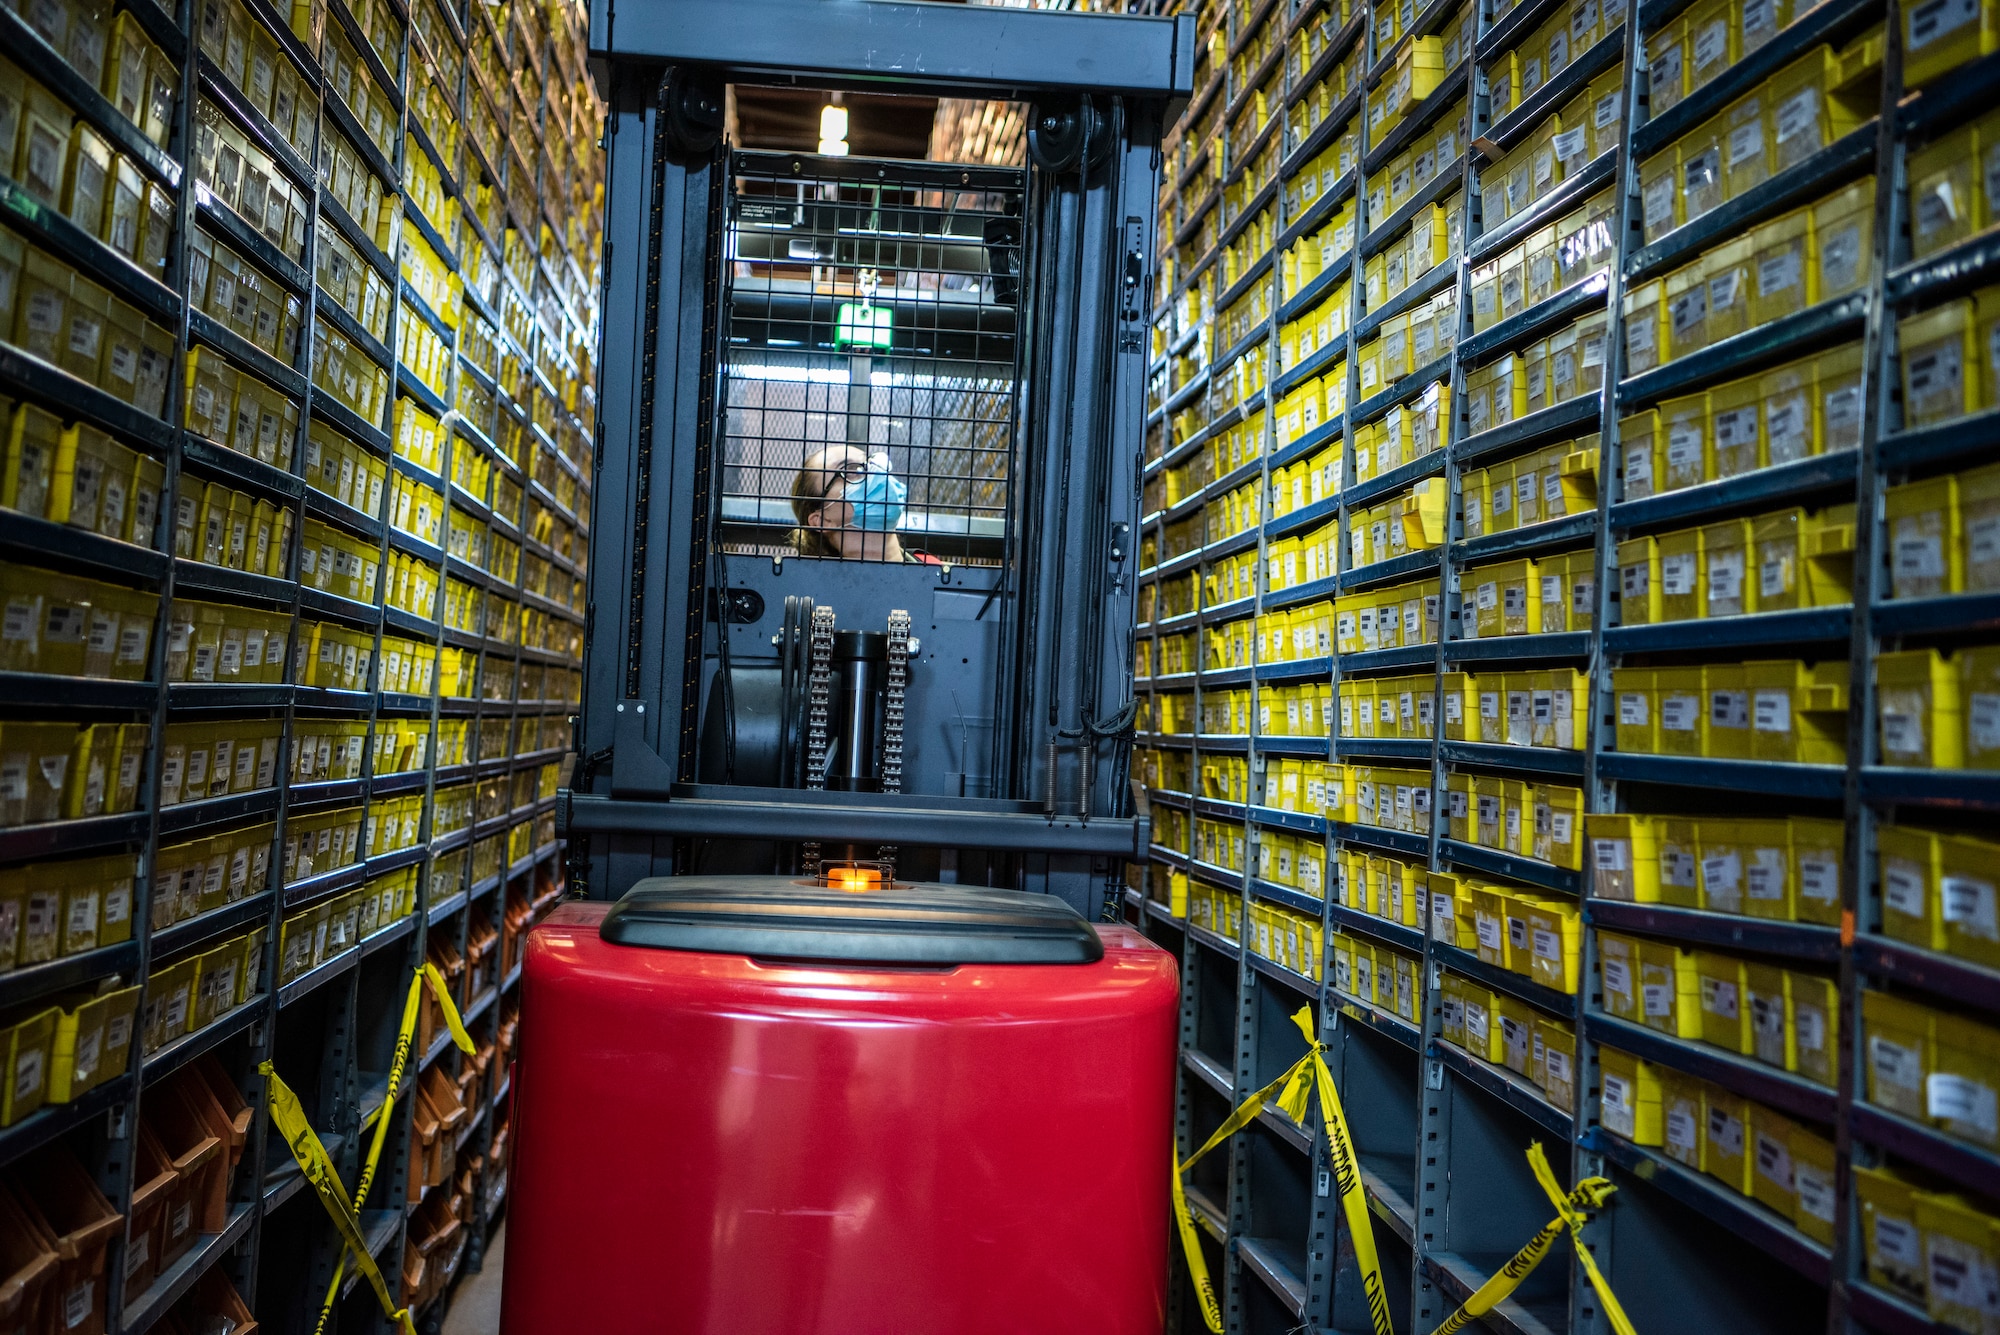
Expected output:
{"points": [[1811, 1025], [1765, 878], [1684, 443], [1958, 1098], [1548, 945], [1774, 1160], [1711, 43], [1658, 203], [1718, 997], [1785, 426], [1632, 709], [1725, 1130], [1728, 709], [1773, 711], [27, 1075], [1901, 732], [1935, 18], [1677, 575], [1488, 928], [1969, 902], [1983, 720], [1840, 265], [1815, 1188], [79, 1303], [1779, 273], [1725, 575], [1982, 534], [1798, 114], [1903, 888], [1658, 999], [1894, 1064], [1745, 142], [1680, 713], [1684, 314], [1897, 1241], [1819, 877], [1683, 1131], [1619, 1113], [1725, 290]]}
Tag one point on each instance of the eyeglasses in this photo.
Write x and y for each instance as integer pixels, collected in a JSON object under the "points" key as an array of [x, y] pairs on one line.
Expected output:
{"points": [[852, 473]]}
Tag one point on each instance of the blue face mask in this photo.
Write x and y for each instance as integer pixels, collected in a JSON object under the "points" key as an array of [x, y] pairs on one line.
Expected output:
{"points": [[877, 500]]}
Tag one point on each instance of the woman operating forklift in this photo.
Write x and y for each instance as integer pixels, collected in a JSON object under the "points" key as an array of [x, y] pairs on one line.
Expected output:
{"points": [[848, 504]]}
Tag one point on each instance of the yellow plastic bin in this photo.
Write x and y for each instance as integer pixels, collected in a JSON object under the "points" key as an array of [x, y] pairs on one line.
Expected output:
{"points": [[1918, 711], [1909, 859], [1630, 1090], [1946, 206], [1683, 1109], [1844, 236], [1897, 1039], [1726, 1139], [1816, 1022], [1725, 1008], [1768, 993], [1891, 1241], [1688, 442], [1638, 726], [1730, 581], [1639, 582], [1940, 364], [1624, 857], [1618, 970], [1813, 1181], [1926, 547], [1963, 1088], [1680, 696], [1670, 989], [1787, 270], [1979, 522], [1941, 35]]}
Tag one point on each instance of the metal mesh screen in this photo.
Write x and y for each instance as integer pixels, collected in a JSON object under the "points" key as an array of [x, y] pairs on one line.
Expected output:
{"points": [[871, 320]]}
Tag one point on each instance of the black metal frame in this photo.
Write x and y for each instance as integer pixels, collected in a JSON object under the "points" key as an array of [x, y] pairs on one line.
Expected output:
{"points": [[1066, 654]]}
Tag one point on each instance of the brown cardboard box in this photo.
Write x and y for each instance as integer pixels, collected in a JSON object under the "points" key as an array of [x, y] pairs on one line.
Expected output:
{"points": [[28, 1266], [196, 1154], [155, 1179], [55, 1193]]}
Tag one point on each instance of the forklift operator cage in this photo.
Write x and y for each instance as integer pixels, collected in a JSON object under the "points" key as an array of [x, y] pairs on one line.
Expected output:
{"points": [[672, 597]]}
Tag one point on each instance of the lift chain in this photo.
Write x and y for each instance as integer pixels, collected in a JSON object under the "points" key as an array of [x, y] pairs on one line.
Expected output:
{"points": [[819, 706], [892, 717]]}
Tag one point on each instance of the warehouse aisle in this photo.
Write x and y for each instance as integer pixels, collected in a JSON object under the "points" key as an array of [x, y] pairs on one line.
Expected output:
{"points": [[475, 1308]]}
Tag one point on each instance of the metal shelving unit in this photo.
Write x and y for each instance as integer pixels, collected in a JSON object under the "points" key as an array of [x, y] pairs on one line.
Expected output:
{"points": [[514, 466], [1433, 1122]]}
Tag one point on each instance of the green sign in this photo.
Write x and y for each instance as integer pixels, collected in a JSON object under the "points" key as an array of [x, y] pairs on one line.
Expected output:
{"points": [[867, 326]]}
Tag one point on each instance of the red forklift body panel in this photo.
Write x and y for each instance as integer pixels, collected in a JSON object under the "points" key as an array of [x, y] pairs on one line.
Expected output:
{"points": [[711, 1142]]}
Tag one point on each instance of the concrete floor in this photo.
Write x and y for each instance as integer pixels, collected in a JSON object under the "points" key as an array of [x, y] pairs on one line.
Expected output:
{"points": [[475, 1305]]}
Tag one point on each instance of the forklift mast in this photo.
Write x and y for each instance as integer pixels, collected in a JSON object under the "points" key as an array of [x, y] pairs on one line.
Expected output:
{"points": [[754, 705]]}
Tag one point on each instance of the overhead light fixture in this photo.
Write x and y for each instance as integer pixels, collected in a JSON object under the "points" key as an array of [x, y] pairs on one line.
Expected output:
{"points": [[833, 131]]}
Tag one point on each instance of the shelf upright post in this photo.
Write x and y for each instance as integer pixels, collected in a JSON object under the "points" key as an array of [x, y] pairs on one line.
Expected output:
{"points": [[114, 1168], [1432, 1131], [1859, 898], [1600, 794]]}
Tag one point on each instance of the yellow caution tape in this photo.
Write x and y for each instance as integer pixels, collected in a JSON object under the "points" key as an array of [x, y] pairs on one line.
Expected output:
{"points": [[1291, 1091], [290, 1118], [1590, 1194], [1573, 1218]]}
